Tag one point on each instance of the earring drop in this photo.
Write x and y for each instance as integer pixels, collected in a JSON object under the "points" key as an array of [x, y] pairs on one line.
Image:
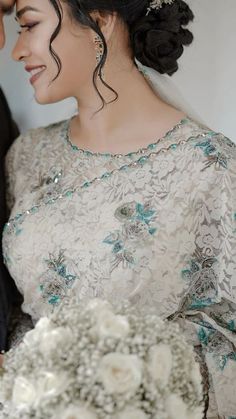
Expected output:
{"points": [[99, 48]]}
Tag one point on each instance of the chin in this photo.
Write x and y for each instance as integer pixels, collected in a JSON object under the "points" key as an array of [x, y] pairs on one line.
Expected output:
{"points": [[46, 99]]}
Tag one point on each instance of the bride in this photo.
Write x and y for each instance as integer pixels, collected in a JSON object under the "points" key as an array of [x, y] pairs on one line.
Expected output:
{"points": [[131, 198]]}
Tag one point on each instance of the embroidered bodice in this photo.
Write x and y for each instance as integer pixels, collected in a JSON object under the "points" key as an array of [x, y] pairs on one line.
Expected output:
{"points": [[156, 226]]}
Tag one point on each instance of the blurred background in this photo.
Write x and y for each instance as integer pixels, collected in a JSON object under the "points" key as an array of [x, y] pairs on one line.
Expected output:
{"points": [[205, 81]]}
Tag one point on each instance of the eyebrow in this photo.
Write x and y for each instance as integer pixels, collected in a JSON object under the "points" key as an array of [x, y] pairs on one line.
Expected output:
{"points": [[25, 9]]}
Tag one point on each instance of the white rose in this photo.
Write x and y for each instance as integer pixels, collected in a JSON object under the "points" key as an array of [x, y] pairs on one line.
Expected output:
{"points": [[120, 373], [197, 414], [74, 412], [33, 337], [108, 324], [50, 384], [52, 339], [160, 363], [176, 408], [96, 305], [24, 393], [44, 324], [131, 413]]}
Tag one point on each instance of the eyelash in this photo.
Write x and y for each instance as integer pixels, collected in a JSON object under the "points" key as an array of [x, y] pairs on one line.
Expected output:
{"points": [[29, 27]]}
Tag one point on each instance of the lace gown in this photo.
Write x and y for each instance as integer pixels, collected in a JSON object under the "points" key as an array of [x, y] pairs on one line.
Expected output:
{"points": [[157, 227]]}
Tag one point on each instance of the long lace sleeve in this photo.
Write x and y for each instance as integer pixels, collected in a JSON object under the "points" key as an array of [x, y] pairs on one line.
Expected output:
{"points": [[208, 307], [19, 322]]}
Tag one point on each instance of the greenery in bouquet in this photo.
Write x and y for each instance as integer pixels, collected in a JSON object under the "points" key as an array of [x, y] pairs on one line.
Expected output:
{"points": [[90, 360]]}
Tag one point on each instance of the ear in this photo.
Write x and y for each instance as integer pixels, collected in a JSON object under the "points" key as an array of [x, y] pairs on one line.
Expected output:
{"points": [[106, 22]]}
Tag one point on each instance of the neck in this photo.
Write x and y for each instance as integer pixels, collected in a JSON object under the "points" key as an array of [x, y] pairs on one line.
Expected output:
{"points": [[113, 127]]}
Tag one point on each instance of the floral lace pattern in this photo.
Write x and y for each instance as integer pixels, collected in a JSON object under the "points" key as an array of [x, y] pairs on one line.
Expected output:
{"points": [[161, 232]]}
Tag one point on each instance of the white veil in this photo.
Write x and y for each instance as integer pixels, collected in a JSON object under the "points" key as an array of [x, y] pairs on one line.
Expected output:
{"points": [[168, 91]]}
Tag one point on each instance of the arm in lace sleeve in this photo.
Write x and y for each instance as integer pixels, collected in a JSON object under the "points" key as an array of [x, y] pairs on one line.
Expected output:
{"points": [[19, 323], [208, 307]]}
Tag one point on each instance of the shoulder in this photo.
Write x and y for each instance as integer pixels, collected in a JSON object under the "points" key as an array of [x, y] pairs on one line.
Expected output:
{"points": [[211, 149], [27, 147]]}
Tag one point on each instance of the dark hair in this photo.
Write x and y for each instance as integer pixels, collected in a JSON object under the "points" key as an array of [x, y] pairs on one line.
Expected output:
{"points": [[157, 40]]}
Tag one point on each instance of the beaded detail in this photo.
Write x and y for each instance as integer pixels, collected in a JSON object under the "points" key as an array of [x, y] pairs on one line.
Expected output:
{"points": [[14, 222], [143, 150]]}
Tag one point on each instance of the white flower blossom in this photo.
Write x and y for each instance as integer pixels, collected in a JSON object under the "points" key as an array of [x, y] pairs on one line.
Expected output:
{"points": [[109, 324], [176, 408], [24, 393], [131, 413], [34, 336], [52, 339], [157, 4], [44, 324], [120, 373], [50, 384], [77, 412], [96, 306], [196, 414], [106, 355], [160, 363]]}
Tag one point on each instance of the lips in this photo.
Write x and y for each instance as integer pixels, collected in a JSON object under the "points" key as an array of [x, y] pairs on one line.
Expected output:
{"points": [[35, 71]]}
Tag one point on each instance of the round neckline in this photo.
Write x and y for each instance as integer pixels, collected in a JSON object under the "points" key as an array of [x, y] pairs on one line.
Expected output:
{"points": [[142, 150]]}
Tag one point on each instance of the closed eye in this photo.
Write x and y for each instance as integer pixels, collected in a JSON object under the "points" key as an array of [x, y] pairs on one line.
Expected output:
{"points": [[28, 27]]}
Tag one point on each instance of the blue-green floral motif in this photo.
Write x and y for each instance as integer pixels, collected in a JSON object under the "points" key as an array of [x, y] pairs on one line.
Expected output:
{"points": [[58, 279], [232, 325], [204, 335], [217, 344], [202, 282], [207, 147], [234, 219], [225, 358], [210, 151], [15, 227], [137, 225]]}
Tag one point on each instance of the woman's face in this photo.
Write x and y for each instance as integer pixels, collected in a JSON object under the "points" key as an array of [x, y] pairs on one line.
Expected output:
{"points": [[74, 45]]}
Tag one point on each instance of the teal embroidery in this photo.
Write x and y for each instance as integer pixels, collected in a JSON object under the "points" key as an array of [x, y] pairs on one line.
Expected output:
{"points": [[213, 155], [137, 227], [201, 277], [48, 179], [58, 279], [234, 219], [232, 325], [215, 343], [204, 335], [57, 193]]}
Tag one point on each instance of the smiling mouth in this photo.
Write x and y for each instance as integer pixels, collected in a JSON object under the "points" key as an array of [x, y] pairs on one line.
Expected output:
{"points": [[36, 73]]}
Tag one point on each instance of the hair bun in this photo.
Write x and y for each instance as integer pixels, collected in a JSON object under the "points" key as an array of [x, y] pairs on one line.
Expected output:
{"points": [[158, 39]]}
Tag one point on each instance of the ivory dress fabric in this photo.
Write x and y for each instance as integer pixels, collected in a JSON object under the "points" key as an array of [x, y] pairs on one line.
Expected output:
{"points": [[156, 226]]}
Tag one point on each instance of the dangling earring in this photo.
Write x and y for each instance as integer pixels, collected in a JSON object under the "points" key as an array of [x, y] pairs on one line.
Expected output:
{"points": [[99, 48]]}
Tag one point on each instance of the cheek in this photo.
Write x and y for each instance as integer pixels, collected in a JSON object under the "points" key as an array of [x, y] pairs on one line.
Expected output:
{"points": [[79, 62], [40, 48]]}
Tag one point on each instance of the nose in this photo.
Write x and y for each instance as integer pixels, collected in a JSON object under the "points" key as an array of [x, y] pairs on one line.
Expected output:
{"points": [[2, 32], [20, 50]]}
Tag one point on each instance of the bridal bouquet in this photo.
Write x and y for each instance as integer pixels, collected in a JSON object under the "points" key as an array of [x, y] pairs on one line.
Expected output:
{"points": [[93, 361]]}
